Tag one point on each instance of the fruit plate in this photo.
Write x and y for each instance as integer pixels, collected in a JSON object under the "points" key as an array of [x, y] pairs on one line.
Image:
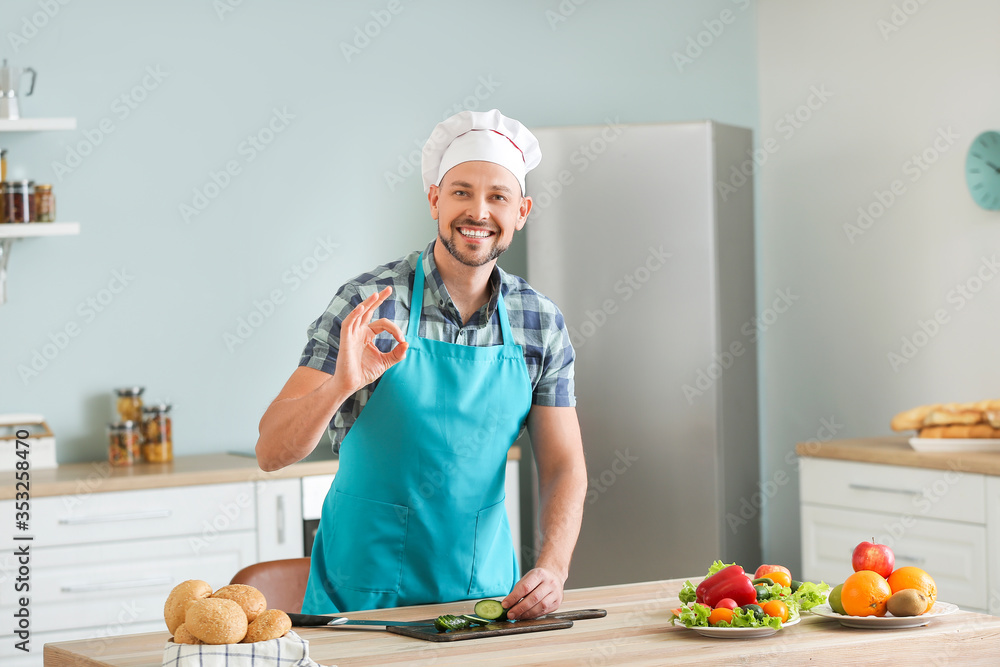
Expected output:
{"points": [[888, 621], [955, 444], [740, 633]]}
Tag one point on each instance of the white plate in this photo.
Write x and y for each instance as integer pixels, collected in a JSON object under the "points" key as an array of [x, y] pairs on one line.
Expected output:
{"points": [[740, 633], [955, 444], [888, 621]]}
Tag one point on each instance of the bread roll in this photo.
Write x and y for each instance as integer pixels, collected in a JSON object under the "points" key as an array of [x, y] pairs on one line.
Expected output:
{"points": [[249, 598], [269, 624], [912, 419], [182, 636], [960, 431], [216, 621], [992, 417], [948, 417], [180, 599]]}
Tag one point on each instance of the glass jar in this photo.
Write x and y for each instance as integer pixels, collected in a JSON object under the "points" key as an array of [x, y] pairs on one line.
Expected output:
{"points": [[128, 404], [157, 437], [18, 201], [123, 443], [45, 204]]}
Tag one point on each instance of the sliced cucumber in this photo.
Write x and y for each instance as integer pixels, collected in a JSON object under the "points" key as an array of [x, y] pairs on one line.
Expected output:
{"points": [[490, 610], [450, 622]]}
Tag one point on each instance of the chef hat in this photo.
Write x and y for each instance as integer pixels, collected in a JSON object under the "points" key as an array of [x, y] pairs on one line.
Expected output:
{"points": [[488, 136]]}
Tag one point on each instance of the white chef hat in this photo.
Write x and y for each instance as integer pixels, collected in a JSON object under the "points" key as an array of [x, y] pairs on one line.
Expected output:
{"points": [[488, 136]]}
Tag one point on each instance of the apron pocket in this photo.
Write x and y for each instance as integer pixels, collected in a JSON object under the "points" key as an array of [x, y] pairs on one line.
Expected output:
{"points": [[365, 549], [493, 564]]}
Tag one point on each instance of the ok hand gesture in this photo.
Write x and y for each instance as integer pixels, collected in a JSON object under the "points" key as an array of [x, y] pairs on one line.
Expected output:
{"points": [[359, 361]]}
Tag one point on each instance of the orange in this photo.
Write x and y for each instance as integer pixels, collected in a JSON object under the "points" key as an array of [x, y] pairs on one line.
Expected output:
{"points": [[865, 594], [778, 578], [915, 578], [776, 608], [720, 614]]}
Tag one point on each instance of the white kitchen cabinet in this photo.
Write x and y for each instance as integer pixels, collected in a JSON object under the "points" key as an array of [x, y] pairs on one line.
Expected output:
{"points": [[933, 519], [993, 541], [279, 519]]}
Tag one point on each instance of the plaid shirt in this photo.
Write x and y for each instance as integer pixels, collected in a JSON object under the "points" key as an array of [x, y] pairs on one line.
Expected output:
{"points": [[536, 323]]}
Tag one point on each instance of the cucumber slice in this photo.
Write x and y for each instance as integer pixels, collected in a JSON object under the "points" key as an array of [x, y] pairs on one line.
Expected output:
{"points": [[490, 610]]}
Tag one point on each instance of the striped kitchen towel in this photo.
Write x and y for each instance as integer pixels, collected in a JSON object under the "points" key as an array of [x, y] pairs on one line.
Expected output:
{"points": [[288, 651]]}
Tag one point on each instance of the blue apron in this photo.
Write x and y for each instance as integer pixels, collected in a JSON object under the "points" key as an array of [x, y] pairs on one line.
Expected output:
{"points": [[416, 512]]}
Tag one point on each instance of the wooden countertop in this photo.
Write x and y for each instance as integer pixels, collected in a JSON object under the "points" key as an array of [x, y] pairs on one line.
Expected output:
{"points": [[100, 476], [636, 631], [895, 450]]}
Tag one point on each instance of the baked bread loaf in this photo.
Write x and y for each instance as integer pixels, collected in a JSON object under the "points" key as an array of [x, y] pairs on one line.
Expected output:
{"points": [[269, 624], [180, 598], [248, 598], [979, 419], [216, 621], [960, 431], [182, 636]]}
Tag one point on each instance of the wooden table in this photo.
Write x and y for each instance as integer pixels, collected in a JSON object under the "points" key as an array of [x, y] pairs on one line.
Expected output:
{"points": [[636, 631]]}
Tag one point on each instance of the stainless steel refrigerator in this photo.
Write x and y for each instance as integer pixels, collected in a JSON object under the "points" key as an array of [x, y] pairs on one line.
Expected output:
{"points": [[643, 236]]}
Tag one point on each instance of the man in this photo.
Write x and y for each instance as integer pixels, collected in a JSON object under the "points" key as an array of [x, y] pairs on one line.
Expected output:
{"points": [[424, 416]]}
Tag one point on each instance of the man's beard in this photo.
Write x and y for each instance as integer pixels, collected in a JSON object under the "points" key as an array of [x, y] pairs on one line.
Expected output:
{"points": [[468, 260]]}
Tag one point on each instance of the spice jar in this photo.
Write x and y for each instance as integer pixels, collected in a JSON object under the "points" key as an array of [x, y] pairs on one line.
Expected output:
{"points": [[18, 201], [128, 404], [45, 204], [123, 443], [157, 439]]}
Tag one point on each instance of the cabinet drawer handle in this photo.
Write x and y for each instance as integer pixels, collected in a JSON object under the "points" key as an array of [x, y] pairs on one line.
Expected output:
{"points": [[865, 487], [280, 519], [132, 516], [114, 585]]}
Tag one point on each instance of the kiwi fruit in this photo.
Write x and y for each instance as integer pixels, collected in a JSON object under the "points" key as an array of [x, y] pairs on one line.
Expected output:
{"points": [[907, 602]]}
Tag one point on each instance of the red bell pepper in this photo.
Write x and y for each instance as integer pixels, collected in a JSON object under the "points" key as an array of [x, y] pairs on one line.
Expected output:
{"points": [[729, 582]]}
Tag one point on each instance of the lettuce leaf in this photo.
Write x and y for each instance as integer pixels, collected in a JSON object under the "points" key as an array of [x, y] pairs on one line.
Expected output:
{"points": [[810, 595], [716, 566], [688, 593], [744, 618], [694, 615]]}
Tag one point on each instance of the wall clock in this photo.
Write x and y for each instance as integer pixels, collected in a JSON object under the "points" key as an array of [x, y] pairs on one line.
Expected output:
{"points": [[982, 170]]}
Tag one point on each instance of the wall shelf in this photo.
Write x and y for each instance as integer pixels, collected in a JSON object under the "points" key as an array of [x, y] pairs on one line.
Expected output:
{"points": [[36, 124], [10, 232]]}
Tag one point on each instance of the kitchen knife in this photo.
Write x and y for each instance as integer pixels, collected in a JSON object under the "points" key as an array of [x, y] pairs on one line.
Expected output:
{"points": [[312, 621]]}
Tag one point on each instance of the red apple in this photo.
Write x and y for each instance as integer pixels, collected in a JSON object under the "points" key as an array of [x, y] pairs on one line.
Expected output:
{"points": [[764, 569], [875, 557]]}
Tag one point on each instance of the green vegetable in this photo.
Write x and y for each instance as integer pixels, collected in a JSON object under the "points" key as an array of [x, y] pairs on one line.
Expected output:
{"points": [[763, 580], [490, 610], [451, 622], [755, 609], [763, 592], [693, 615], [688, 593], [747, 617], [796, 584], [716, 566], [808, 595]]}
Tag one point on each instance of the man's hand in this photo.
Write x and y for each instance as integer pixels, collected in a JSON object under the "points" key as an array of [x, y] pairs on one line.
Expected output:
{"points": [[538, 593], [359, 361]]}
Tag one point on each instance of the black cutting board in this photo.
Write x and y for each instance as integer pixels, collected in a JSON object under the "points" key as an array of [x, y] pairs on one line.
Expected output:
{"points": [[557, 621]]}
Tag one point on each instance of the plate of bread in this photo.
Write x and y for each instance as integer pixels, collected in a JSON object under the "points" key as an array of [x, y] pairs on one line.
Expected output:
{"points": [[952, 426]]}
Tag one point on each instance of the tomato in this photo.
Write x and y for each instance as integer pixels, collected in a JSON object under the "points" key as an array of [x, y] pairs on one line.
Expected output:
{"points": [[726, 603], [776, 608], [763, 570], [779, 578], [720, 614]]}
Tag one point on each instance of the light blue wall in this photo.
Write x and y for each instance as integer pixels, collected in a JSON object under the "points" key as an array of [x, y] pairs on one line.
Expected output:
{"points": [[322, 177]]}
